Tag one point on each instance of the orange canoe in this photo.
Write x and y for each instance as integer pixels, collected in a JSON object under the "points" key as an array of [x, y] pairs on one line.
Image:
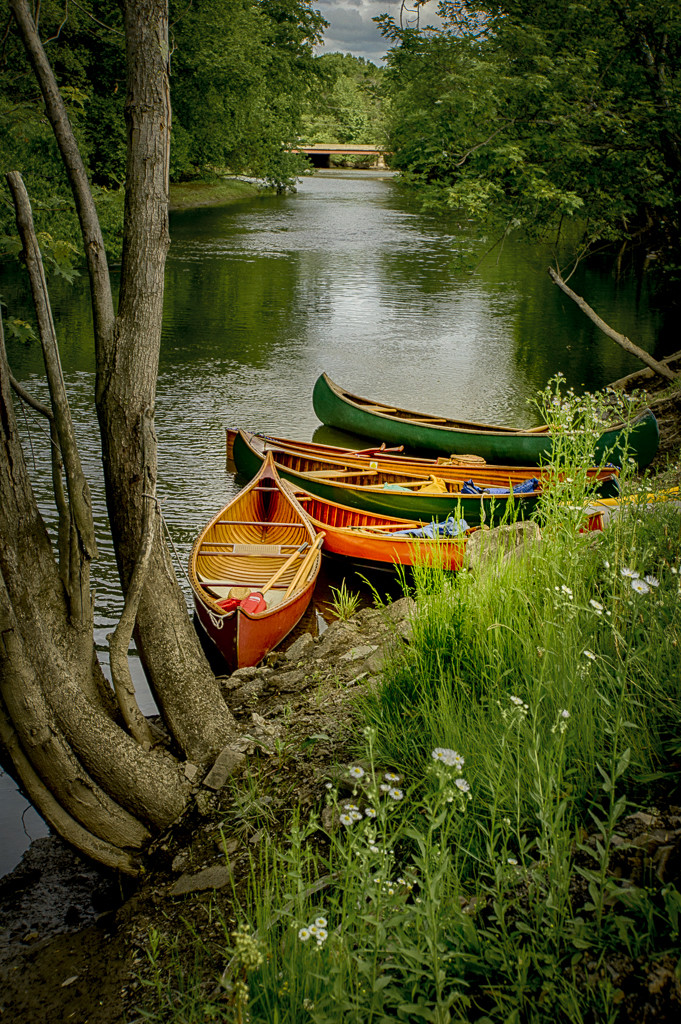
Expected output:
{"points": [[380, 541], [253, 569]]}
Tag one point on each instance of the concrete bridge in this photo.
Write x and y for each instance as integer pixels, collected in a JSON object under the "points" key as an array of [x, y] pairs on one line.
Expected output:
{"points": [[321, 152]]}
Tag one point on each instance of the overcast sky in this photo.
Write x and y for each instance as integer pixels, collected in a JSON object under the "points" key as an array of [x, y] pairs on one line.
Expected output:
{"points": [[351, 29]]}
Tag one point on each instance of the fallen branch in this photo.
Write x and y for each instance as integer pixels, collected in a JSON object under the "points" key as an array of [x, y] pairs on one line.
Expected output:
{"points": [[621, 340]]}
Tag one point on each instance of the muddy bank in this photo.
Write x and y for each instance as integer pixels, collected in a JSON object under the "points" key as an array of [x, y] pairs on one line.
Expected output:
{"points": [[71, 939]]}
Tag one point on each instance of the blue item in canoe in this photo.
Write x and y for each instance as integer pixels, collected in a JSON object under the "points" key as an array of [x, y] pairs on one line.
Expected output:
{"points": [[451, 527], [524, 487]]}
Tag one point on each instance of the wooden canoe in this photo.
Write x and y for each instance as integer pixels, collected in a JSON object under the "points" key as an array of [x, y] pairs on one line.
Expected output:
{"points": [[406, 494], [253, 569], [455, 467], [339, 408], [372, 539]]}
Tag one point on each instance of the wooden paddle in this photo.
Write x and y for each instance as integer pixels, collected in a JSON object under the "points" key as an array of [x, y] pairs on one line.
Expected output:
{"points": [[307, 562], [282, 568]]}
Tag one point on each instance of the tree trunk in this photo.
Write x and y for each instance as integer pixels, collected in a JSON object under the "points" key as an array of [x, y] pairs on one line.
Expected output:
{"points": [[127, 351], [99, 786]]}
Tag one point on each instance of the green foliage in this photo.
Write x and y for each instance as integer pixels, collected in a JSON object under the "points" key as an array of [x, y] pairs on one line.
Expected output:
{"points": [[348, 103], [344, 602], [241, 71], [551, 114]]}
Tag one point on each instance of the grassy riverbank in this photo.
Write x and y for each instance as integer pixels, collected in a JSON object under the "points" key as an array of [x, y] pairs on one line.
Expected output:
{"points": [[505, 844], [190, 194]]}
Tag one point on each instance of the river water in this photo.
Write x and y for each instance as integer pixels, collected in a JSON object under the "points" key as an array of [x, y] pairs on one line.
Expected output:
{"points": [[346, 276]]}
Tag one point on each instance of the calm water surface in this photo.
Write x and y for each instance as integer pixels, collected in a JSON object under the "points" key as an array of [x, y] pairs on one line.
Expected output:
{"points": [[346, 276]]}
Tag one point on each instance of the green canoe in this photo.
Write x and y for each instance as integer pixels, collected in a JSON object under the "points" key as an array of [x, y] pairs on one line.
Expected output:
{"points": [[386, 492], [338, 408]]}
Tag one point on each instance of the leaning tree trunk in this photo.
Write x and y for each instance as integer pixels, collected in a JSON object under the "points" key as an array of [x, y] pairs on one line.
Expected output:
{"points": [[90, 780], [127, 349]]}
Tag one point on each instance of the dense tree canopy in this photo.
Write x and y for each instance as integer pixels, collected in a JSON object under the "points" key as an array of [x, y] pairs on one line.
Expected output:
{"points": [[543, 115], [348, 105], [240, 72]]}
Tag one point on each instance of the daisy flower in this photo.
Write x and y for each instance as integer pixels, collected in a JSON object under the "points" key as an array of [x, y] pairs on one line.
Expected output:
{"points": [[629, 573], [356, 771], [448, 757], [304, 934], [652, 581], [640, 586], [396, 794]]}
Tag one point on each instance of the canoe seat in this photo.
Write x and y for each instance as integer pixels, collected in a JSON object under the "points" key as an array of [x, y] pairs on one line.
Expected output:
{"points": [[336, 474], [265, 550], [377, 408], [424, 419]]}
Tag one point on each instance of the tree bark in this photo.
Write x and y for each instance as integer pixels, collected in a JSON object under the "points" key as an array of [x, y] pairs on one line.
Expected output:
{"points": [[179, 675], [621, 340], [127, 349]]}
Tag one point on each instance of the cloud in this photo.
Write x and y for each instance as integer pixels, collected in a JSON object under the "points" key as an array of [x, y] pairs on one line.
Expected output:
{"points": [[351, 29]]}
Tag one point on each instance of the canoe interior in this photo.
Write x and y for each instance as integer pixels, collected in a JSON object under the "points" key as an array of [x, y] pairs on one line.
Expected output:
{"points": [[263, 536], [460, 468], [368, 539]]}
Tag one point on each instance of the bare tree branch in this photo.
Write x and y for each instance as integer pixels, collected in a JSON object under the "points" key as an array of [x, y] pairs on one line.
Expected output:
{"points": [[100, 285], [621, 339], [78, 488]]}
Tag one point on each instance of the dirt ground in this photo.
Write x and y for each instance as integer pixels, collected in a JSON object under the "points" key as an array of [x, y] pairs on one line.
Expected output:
{"points": [[72, 936]]}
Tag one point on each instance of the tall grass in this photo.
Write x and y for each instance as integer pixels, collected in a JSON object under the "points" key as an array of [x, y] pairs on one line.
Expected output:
{"points": [[468, 873]]}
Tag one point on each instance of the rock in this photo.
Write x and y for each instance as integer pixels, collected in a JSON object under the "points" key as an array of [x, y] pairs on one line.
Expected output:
{"points": [[265, 728], [402, 609], [215, 877], [228, 760], [290, 682], [358, 653], [300, 648], [502, 544], [180, 862], [243, 675]]}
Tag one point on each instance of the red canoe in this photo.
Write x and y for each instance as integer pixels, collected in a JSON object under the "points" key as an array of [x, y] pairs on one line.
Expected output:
{"points": [[253, 569]]}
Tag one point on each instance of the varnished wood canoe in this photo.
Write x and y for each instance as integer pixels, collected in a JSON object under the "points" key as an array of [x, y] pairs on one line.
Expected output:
{"points": [[339, 408], [388, 490], [262, 543], [454, 467], [383, 541]]}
